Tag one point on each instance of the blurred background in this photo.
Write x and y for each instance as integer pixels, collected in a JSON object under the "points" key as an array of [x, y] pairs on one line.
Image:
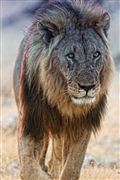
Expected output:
{"points": [[103, 151]]}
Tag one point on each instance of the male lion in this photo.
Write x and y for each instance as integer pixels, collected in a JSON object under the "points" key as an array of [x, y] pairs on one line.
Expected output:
{"points": [[61, 80]]}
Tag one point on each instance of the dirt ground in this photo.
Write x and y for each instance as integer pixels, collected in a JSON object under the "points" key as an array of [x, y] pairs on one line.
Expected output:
{"points": [[104, 148]]}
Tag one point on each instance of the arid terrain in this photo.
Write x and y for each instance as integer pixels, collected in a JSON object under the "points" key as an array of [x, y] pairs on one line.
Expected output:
{"points": [[102, 161]]}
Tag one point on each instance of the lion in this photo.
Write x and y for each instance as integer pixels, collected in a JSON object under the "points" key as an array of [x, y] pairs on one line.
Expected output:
{"points": [[61, 81]]}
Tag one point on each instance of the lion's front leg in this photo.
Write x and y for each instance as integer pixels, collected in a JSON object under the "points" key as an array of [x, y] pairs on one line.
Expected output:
{"points": [[73, 164], [43, 152], [29, 163], [55, 163]]}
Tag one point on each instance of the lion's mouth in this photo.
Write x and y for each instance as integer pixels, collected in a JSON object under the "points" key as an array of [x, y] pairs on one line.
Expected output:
{"points": [[83, 100]]}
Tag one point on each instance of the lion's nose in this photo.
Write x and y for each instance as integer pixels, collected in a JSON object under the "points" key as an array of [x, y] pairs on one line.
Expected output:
{"points": [[87, 88]]}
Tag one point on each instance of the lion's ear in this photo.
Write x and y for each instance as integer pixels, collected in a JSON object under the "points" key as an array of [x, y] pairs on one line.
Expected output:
{"points": [[104, 22], [48, 31]]}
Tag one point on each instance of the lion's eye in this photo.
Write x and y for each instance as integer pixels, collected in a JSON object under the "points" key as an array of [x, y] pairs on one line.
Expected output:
{"points": [[70, 60], [96, 54], [70, 56]]}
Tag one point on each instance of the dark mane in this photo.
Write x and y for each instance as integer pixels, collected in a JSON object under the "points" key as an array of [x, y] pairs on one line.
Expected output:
{"points": [[38, 117], [42, 118]]}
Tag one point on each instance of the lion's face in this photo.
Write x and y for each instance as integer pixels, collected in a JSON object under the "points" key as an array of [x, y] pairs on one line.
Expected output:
{"points": [[80, 58], [78, 62]]}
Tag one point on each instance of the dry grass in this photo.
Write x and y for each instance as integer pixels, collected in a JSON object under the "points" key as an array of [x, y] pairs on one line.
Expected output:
{"points": [[9, 153], [100, 174], [89, 174]]}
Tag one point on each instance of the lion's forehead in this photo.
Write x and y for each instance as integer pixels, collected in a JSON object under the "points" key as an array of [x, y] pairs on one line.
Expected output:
{"points": [[92, 40], [86, 39]]}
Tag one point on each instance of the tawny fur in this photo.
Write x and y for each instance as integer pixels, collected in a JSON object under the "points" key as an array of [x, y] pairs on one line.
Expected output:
{"points": [[44, 83]]}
